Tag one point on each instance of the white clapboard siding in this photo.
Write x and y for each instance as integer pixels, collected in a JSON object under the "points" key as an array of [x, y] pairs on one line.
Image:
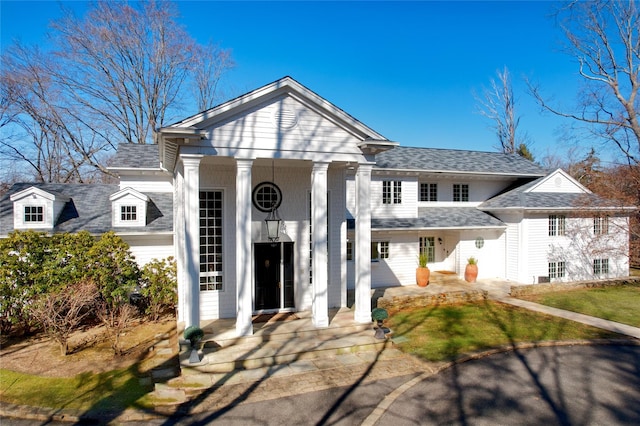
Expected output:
{"points": [[256, 132], [148, 247], [162, 182]]}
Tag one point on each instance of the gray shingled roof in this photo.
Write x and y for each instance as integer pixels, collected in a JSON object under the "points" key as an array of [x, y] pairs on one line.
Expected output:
{"points": [[518, 198], [89, 209], [441, 218], [136, 156], [456, 161]]}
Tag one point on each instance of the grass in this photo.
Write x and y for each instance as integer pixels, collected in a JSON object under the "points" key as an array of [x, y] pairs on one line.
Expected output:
{"points": [[443, 333], [618, 303], [110, 391]]}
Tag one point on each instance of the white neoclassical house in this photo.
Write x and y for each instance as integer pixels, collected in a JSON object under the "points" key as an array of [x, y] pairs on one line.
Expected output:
{"points": [[280, 201]]}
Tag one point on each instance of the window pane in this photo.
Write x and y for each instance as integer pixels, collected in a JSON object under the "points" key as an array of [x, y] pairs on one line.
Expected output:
{"points": [[211, 277]]}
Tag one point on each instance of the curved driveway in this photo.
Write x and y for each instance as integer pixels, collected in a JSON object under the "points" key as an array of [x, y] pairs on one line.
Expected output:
{"points": [[576, 385]]}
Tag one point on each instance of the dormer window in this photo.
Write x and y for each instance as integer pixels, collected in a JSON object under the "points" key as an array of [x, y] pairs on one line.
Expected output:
{"points": [[129, 208], [33, 214], [34, 208], [128, 213]]}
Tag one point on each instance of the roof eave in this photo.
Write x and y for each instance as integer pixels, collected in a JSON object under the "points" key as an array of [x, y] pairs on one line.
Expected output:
{"points": [[440, 228], [459, 172]]}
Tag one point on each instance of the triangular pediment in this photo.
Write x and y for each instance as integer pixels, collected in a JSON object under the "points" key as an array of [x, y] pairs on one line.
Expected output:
{"points": [[129, 192], [34, 192], [281, 120]]}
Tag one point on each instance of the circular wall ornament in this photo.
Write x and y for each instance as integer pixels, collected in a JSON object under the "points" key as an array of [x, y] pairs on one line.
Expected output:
{"points": [[479, 242], [266, 196]]}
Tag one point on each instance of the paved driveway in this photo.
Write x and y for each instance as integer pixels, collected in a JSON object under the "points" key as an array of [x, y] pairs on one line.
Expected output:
{"points": [[578, 385]]}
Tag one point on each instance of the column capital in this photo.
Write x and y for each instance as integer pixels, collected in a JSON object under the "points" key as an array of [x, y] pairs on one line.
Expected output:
{"points": [[192, 160], [242, 163], [320, 166], [364, 168]]}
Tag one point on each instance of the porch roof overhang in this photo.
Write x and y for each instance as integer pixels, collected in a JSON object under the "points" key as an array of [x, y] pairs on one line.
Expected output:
{"points": [[169, 139], [442, 218]]}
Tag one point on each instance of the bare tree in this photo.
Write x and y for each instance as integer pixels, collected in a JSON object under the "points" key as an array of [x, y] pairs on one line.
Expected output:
{"points": [[604, 38], [498, 104], [116, 319], [42, 135], [114, 76], [210, 63], [60, 313]]}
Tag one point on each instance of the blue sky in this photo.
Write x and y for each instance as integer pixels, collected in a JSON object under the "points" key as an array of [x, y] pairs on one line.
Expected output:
{"points": [[406, 69]]}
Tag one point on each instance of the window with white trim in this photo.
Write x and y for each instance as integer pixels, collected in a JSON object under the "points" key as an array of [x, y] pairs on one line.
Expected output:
{"points": [[427, 246], [33, 214], [557, 269], [211, 274], [128, 213], [428, 191], [600, 225], [557, 225], [379, 250], [600, 266], [391, 192], [460, 192]]}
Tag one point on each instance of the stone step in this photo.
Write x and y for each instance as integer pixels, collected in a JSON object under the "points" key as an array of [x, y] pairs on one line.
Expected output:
{"points": [[214, 341], [286, 348]]}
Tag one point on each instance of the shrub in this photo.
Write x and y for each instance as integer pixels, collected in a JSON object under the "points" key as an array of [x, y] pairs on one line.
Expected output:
{"points": [[22, 276], [60, 312], [159, 286], [113, 268], [33, 264]]}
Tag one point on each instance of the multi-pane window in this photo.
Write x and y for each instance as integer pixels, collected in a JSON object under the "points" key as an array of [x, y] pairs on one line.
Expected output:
{"points": [[384, 249], [128, 214], [428, 192], [427, 247], [379, 250], [211, 277], [460, 192], [557, 269], [600, 266], [349, 250], [391, 192], [557, 225], [600, 225], [33, 214]]}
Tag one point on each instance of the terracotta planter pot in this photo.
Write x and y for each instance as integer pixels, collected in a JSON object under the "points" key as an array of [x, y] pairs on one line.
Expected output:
{"points": [[422, 276], [471, 273]]}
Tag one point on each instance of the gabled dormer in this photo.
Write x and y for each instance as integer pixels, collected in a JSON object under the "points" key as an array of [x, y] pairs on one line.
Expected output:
{"points": [[128, 208], [34, 208], [558, 181]]}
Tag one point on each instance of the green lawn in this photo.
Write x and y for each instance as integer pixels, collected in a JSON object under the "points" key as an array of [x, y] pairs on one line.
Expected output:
{"points": [[619, 303], [443, 333], [110, 391]]}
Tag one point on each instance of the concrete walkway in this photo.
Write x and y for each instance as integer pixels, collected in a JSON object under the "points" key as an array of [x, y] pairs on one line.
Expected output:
{"points": [[499, 291]]}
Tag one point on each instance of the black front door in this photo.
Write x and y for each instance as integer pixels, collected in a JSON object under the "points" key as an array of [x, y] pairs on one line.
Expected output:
{"points": [[267, 276], [270, 265]]}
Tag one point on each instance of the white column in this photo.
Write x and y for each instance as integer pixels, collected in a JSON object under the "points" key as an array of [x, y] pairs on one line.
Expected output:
{"points": [[363, 244], [191, 188], [319, 215], [244, 281]]}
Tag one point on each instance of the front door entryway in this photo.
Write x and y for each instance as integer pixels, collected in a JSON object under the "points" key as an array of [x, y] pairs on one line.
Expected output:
{"points": [[273, 272]]}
